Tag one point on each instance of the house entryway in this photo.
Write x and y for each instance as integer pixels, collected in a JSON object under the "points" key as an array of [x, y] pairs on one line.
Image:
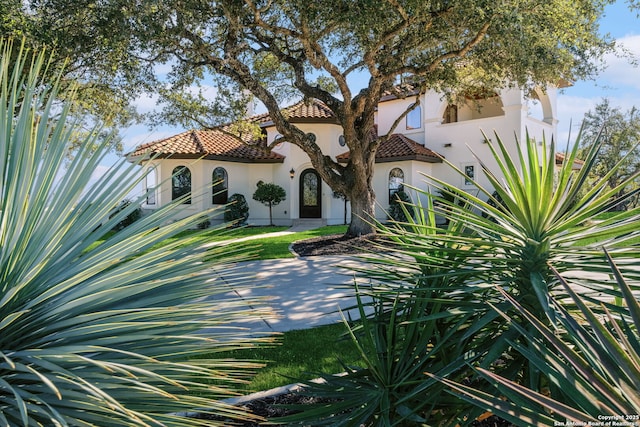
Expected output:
{"points": [[310, 194]]}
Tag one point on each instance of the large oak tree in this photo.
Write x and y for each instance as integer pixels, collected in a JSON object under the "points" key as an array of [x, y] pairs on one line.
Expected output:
{"points": [[83, 62], [279, 51]]}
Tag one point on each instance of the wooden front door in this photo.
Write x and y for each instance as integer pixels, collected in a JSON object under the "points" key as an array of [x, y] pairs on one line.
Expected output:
{"points": [[310, 194]]}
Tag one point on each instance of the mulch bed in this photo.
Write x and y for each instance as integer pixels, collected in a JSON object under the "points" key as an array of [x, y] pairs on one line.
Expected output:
{"points": [[336, 244], [273, 407]]}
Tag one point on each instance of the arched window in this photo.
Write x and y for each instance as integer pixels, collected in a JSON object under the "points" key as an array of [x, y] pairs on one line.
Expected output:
{"points": [[150, 183], [181, 184], [414, 118], [396, 181], [450, 114], [220, 187]]}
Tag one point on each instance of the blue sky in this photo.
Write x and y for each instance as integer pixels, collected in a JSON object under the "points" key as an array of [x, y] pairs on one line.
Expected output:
{"points": [[620, 82]]}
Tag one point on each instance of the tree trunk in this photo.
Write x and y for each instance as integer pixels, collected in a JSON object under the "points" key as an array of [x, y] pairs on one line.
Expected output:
{"points": [[362, 212]]}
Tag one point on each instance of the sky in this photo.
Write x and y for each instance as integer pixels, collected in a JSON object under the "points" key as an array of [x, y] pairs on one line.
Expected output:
{"points": [[620, 83]]}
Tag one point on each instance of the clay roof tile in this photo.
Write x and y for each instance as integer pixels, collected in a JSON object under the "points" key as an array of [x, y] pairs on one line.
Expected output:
{"points": [[399, 147], [208, 144]]}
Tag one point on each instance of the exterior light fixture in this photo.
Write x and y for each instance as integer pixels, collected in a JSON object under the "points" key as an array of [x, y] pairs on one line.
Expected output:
{"points": [[292, 173]]}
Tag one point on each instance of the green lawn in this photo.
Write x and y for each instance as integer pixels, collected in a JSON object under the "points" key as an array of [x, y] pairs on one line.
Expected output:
{"points": [[262, 248], [297, 355], [300, 355], [278, 247]]}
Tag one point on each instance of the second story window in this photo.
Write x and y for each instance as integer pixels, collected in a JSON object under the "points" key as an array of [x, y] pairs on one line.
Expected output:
{"points": [[414, 118], [450, 114]]}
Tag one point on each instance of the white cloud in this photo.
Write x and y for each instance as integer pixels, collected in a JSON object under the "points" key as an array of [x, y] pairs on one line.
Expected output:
{"points": [[619, 83], [620, 71], [146, 103]]}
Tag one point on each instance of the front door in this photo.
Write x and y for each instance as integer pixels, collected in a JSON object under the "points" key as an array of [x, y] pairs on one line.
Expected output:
{"points": [[310, 194]]}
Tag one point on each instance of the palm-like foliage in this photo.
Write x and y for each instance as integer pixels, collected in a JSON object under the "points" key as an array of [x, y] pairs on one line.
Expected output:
{"points": [[539, 214], [91, 334], [420, 312], [431, 293], [593, 359]]}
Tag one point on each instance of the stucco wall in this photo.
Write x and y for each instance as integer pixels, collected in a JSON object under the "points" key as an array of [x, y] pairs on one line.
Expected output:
{"points": [[459, 142]]}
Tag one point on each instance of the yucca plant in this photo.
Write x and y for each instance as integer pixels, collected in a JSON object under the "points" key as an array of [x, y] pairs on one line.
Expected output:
{"points": [[538, 214], [420, 311], [96, 330], [438, 277], [593, 358]]}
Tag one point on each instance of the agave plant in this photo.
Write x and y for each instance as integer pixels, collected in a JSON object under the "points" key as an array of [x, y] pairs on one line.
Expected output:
{"points": [[98, 329], [538, 214], [420, 311], [594, 359]]}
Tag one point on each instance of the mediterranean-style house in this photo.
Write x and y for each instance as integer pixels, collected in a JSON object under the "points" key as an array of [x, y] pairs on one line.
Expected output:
{"points": [[214, 165]]}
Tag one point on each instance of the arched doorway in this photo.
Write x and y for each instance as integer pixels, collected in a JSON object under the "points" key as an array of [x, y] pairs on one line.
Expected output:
{"points": [[310, 194]]}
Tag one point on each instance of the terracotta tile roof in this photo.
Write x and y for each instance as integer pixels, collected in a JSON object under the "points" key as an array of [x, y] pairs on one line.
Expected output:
{"points": [[577, 163], [399, 147], [207, 144], [216, 145], [399, 91], [312, 111]]}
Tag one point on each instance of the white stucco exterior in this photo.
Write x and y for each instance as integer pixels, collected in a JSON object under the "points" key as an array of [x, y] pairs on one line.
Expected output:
{"points": [[509, 114]]}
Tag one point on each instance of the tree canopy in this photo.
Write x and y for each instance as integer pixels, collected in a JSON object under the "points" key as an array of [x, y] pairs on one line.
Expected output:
{"points": [[278, 51], [82, 60], [619, 156]]}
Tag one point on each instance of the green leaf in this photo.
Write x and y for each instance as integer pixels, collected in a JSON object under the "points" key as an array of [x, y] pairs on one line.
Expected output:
{"points": [[100, 329]]}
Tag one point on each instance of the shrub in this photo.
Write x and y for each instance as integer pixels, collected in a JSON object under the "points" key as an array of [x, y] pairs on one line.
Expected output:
{"points": [[398, 207], [133, 213], [430, 297], [531, 219], [592, 359], [99, 332], [237, 210], [416, 315]]}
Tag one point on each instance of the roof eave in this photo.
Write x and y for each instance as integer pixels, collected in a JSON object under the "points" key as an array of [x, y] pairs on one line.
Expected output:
{"points": [[414, 157], [243, 160]]}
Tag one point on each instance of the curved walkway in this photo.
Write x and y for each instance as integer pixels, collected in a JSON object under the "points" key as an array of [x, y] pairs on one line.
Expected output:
{"points": [[303, 292]]}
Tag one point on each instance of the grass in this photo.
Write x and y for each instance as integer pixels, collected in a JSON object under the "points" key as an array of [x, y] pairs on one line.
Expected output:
{"points": [[278, 246], [264, 248], [299, 354], [302, 355]]}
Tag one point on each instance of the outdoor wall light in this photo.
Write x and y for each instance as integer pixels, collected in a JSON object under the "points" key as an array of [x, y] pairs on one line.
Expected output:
{"points": [[292, 173]]}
